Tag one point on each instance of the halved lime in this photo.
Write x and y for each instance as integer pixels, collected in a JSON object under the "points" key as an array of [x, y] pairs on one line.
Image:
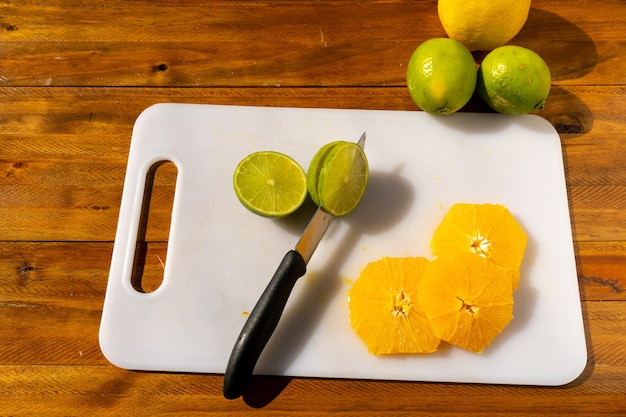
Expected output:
{"points": [[270, 183], [340, 176]]}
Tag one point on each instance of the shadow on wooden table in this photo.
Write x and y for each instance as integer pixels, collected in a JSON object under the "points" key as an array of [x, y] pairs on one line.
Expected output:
{"points": [[567, 113], [591, 363], [567, 49], [264, 389]]}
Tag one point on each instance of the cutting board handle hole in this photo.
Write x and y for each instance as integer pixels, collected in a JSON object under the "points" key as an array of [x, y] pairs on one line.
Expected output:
{"points": [[154, 227]]}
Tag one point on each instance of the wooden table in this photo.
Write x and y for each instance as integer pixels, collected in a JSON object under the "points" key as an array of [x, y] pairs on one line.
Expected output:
{"points": [[74, 75]]}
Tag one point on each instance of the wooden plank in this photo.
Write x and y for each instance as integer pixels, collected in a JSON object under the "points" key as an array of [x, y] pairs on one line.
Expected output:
{"points": [[106, 115], [65, 128], [66, 272], [601, 270], [64, 159], [105, 390], [598, 213], [330, 43], [59, 272], [52, 296], [77, 272]]}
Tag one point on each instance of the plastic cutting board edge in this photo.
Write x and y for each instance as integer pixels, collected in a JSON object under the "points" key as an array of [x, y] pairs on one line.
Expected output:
{"points": [[221, 256]]}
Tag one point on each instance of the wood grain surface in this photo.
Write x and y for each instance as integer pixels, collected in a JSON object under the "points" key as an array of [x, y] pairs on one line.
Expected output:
{"points": [[75, 74]]}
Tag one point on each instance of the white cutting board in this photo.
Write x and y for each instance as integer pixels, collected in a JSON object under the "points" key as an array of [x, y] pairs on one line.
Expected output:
{"points": [[220, 256]]}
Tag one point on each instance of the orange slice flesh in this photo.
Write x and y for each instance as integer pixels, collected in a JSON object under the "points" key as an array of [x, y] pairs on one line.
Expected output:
{"points": [[487, 230], [384, 308], [467, 299]]}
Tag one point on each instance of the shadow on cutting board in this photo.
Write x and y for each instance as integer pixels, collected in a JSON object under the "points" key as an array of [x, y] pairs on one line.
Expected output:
{"points": [[386, 201]]}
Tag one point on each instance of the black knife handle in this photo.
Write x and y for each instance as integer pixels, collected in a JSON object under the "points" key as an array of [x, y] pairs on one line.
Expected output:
{"points": [[260, 325]]}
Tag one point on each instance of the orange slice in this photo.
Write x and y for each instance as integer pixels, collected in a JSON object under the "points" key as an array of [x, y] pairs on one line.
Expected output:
{"points": [[487, 230], [384, 308], [467, 299]]}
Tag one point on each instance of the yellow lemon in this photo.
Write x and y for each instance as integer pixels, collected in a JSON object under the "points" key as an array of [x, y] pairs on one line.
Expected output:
{"points": [[482, 25]]}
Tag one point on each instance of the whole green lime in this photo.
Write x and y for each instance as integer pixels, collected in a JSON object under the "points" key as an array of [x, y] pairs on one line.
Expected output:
{"points": [[441, 76], [514, 80]]}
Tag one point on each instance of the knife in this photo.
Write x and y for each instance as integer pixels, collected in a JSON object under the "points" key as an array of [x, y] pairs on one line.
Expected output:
{"points": [[266, 314]]}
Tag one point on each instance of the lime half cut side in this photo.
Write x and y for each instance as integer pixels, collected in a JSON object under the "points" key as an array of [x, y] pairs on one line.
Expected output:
{"points": [[270, 183], [343, 178]]}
